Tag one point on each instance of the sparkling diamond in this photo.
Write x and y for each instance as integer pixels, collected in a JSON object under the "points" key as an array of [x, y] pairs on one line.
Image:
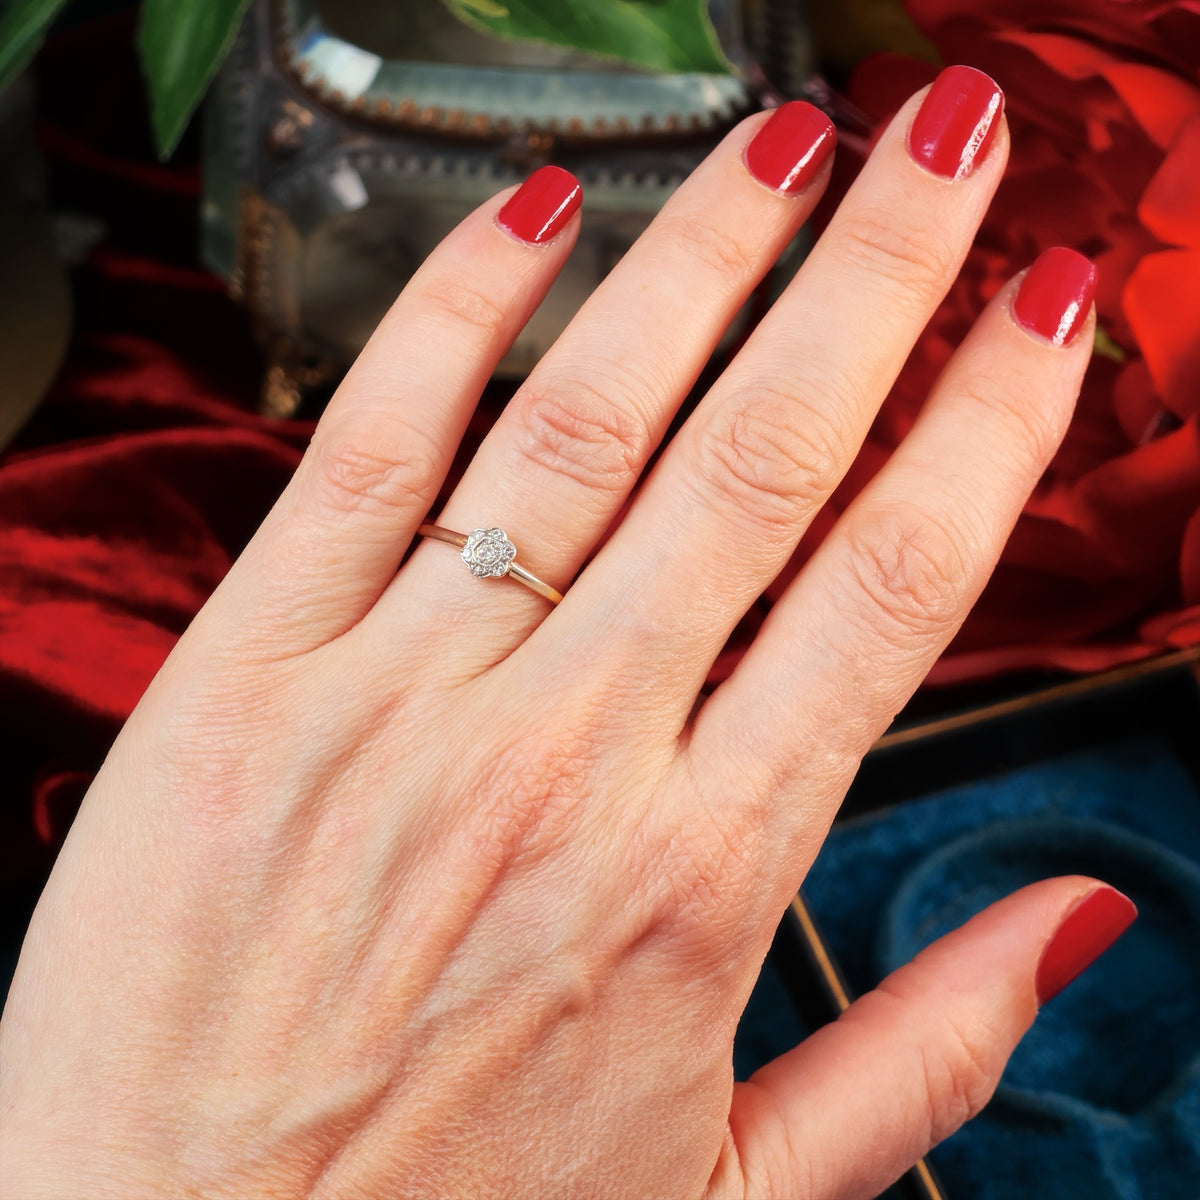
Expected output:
{"points": [[488, 553]]}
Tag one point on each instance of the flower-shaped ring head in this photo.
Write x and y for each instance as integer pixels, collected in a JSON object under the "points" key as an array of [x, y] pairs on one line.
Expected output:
{"points": [[488, 553]]}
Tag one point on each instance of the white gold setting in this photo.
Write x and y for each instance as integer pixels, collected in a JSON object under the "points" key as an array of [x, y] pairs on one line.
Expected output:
{"points": [[488, 553]]}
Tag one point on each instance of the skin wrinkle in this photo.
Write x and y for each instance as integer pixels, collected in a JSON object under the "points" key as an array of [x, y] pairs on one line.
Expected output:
{"points": [[769, 471], [476, 1055], [908, 574], [818, 766], [580, 433], [457, 301], [357, 470], [733, 260], [343, 977], [370, 1106]]}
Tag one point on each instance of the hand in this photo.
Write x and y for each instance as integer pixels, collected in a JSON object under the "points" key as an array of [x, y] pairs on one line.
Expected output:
{"points": [[409, 884]]}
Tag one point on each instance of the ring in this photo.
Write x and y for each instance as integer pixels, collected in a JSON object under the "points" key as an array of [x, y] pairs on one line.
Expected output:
{"points": [[490, 555]]}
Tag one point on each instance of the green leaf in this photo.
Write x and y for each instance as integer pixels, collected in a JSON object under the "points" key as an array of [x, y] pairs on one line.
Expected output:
{"points": [[485, 8], [182, 43], [21, 30], [1103, 345], [664, 35]]}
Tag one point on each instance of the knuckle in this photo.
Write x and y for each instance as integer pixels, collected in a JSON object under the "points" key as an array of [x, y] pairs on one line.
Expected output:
{"points": [[881, 245], [723, 254], [910, 573], [705, 876], [959, 1079], [359, 471], [576, 432], [530, 792], [1030, 432], [459, 302], [706, 880], [773, 458]]}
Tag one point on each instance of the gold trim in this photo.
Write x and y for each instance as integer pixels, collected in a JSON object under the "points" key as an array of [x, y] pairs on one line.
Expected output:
{"points": [[515, 570], [1048, 695], [817, 945], [925, 1175]]}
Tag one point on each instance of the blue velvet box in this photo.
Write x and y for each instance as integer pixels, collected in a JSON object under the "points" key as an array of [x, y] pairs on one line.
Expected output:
{"points": [[1102, 1098]]}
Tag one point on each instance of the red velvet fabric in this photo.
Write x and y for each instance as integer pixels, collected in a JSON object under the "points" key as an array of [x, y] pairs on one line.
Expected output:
{"points": [[120, 510], [143, 473]]}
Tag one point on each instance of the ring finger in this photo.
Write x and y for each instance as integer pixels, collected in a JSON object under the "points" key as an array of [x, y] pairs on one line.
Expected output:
{"points": [[574, 439]]}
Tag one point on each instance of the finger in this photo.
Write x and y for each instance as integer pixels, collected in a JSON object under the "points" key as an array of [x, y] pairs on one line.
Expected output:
{"points": [[863, 622], [386, 441], [574, 439], [745, 476], [908, 1063]]}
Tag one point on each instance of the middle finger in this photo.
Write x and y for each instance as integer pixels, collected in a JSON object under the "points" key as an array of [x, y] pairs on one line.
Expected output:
{"points": [[572, 442], [740, 483]]}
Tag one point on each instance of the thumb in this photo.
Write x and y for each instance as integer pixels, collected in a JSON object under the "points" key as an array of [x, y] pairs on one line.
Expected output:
{"points": [[850, 1109]]}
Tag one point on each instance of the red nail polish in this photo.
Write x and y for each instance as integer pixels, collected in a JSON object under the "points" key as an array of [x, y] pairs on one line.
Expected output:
{"points": [[542, 205], [788, 151], [1056, 295], [956, 122], [1086, 932]]}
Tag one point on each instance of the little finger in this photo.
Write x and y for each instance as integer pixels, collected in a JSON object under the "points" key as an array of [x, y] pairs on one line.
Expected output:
{"points": [[861, 625]]}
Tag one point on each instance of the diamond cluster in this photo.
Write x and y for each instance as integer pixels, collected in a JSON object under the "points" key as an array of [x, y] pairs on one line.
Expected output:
{"points": [[488, 553]]}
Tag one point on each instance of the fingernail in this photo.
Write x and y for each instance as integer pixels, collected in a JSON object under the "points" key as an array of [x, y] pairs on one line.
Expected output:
{"points": [[1087, 931], [790, 148], [1055, 296], [542, 205], [956, 122]]}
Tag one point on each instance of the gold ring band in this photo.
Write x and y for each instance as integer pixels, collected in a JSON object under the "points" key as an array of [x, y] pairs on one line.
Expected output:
{"points": [[490, 555]]}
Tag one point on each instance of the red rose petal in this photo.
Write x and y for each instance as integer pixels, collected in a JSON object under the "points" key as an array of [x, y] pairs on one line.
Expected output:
{"points": [[1162, 300], [1160, 101], [1170, 206], [1137, 506], [1137, 408], [881, 83], [1128, 243], [1173, 630], [1189, 561], [1066, 55]]}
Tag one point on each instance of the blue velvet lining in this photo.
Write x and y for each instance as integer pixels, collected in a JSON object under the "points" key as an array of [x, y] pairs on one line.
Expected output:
{"points": [[1102, 1098]]}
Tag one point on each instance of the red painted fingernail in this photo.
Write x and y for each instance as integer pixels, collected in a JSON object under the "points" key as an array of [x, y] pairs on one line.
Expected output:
{"points": [[956, 122], [543, 204], [791, 147], [1086, 932], [1056, 295]]}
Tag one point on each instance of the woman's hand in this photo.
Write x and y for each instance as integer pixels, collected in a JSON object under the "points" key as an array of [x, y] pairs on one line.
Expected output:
{"points": [[409, 884]]}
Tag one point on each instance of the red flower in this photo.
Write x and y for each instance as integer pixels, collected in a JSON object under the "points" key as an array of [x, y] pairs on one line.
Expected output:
{"points": [[1103, 100]]}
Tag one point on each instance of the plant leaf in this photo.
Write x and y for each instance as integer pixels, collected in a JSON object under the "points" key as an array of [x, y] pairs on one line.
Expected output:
{"points": [[485, 8], [664, 35], [1103, 345], [21, 30], [182, 43]]}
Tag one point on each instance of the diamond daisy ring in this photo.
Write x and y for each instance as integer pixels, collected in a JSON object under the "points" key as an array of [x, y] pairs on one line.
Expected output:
{"points": [[490, 555]]}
